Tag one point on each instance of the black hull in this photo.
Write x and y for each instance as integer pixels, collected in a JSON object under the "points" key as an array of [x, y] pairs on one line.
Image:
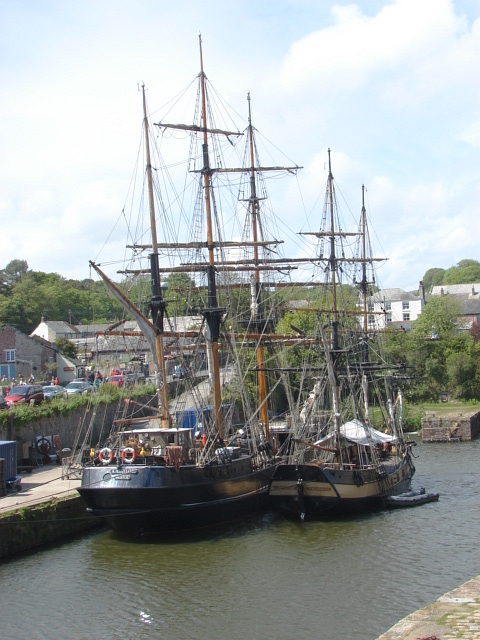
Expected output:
{"points": [[139, 499], [307, 492]]}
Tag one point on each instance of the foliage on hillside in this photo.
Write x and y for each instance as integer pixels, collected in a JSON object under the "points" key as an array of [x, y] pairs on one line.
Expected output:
{"points": [[440, 359], [464, 272]]}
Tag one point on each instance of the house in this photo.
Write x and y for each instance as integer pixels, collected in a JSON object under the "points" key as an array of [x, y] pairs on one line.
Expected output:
{"points": [[394, 307], [22, 355], [51, 330], [102, 346], [468, 297]]}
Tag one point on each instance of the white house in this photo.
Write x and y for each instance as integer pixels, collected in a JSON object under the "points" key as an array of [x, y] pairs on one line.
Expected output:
{"points": [[51, 330], [394, 306]]}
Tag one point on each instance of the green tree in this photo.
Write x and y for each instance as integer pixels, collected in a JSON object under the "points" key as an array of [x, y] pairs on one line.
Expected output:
{"points": [[13, 272], [433, 277], [67, 347], [464, 272]]}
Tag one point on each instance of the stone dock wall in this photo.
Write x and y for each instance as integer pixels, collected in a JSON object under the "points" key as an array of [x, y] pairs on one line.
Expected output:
{"points": [[45, 523], [451, 428], [455, 615], [66, 426]]}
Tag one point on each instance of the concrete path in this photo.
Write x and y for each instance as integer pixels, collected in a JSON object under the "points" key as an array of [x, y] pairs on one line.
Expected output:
{"points": [[454, 615], [41, 485]]}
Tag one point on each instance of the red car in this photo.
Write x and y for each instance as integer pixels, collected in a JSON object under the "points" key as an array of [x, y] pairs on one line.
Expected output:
{"points": [[25, 394], [116, 381]]}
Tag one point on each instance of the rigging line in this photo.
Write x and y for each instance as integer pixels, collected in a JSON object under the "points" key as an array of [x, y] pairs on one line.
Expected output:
{"points": [[176, 99]]}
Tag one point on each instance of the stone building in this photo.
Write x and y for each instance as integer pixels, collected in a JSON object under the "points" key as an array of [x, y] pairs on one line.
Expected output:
{"points": [[21, 355]]}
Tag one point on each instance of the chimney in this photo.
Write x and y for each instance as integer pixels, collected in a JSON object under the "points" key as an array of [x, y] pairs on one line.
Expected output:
{"points": [[421, 291]]}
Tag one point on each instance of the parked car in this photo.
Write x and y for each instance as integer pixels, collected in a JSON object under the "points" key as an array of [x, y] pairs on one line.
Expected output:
{"points": [[77, 387], [25, 394], [54, 391], [116, 381]]}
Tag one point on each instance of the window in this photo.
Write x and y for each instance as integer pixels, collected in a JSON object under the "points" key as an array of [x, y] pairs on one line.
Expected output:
{"points": [[405, 305], [10, 355], [406, 317], [389, 317], [388, 306], [370, 306], [371, 319]]}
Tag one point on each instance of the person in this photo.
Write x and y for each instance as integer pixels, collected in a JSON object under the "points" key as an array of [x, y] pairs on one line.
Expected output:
{"points": [[31, 380], [56, 381], [52, 381]]}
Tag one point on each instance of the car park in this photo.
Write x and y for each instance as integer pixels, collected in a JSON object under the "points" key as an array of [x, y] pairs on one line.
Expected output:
{"points": [[78, 387], [54, 391], [25, 394]]}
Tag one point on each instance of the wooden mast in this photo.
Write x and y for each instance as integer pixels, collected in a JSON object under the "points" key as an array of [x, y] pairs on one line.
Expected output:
{"points": [[157, 304], [333, 267], [212, 313], [364, 264], [256, 287]]}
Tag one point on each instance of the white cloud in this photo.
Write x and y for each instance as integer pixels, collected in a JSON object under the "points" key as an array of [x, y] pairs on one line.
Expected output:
{"points": [[393, 92]]}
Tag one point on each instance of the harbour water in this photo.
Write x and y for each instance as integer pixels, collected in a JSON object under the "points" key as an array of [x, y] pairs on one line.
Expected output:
{"points": [[267, 578]]}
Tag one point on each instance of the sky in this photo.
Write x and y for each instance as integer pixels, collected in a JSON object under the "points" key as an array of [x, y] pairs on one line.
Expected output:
{"points": [[391, 87]]}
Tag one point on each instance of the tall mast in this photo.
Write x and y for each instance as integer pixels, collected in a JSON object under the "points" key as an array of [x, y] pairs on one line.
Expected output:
{"points": [[256, 286], [212, 313], [157, 304], [333, 261], [364, 263], [333, 266]]}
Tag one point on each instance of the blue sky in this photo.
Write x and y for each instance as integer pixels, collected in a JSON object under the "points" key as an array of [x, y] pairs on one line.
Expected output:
{"points": [[391, 87]]}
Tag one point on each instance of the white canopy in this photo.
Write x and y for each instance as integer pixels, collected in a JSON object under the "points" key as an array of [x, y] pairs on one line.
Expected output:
{"points": [[360, 433]]}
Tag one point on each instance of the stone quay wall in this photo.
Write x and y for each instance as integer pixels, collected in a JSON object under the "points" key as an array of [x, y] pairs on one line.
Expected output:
{"points": [[42, 524], [451, 428], [66, 427]]}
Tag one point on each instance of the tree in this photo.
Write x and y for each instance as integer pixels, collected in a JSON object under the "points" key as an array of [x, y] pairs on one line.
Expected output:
{"points": [[439, 319], [67, 347], [433, 277], [12, 273], [464, 272]]}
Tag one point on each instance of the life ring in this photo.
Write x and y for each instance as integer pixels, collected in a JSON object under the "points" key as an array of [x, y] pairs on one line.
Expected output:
{"points": [[128, 455], [56, 440], [43, 446], [105, 455]]}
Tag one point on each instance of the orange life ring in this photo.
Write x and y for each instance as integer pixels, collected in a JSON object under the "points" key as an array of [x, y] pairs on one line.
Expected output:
{"points": [[128, 455], [105, 455]]}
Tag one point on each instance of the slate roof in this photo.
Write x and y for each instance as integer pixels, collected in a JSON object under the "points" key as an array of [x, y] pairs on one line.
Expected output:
{"points": [[456, 289], [393, 295]]}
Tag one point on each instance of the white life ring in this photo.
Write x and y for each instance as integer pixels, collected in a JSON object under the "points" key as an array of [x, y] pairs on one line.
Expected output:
{"points": [[105, 455], [128, 455]]}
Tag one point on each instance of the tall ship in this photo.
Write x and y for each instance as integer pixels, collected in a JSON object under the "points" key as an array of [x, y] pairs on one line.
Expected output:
{"points": [[153, 470], [348, 451]]}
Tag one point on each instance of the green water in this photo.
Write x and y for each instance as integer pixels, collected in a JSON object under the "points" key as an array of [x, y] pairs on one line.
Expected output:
{"points": [[259, 579]]}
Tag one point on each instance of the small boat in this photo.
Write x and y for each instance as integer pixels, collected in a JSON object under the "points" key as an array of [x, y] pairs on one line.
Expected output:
{"points": [[411, 499]]}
